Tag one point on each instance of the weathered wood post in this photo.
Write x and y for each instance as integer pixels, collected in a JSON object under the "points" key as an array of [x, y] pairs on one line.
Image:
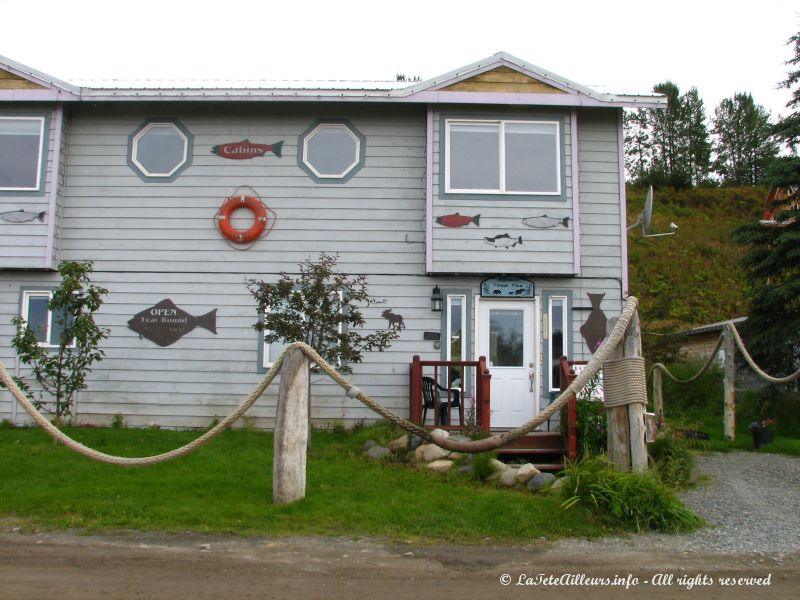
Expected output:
{"points": [[658, 398], [291, 430], [729, 414], [626, 445]]}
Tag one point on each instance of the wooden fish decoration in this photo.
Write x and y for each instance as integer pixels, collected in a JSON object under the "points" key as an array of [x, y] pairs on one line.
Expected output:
{"points": [[457, 220], [246, 149], [165, 323], [22, 216], [503, 241], [545, 222]]}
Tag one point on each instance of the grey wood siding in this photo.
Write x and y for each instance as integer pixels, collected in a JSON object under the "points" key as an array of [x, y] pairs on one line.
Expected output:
{"points": [[465, 249], [375, 221], [23, 245]]}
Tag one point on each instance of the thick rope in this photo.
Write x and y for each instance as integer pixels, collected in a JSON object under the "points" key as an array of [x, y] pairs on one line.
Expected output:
{"points": [[624, 382], [712, 356], [490, 443], [749, 359]]}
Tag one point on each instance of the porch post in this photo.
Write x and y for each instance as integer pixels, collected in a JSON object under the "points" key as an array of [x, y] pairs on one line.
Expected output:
{"points": [[415, 391], [484, 394], [291, 430]]}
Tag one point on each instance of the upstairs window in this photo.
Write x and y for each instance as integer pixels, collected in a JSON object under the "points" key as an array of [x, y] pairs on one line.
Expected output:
{"points": [[502, 157], [21, 149], [160, 150], [331, 151]]}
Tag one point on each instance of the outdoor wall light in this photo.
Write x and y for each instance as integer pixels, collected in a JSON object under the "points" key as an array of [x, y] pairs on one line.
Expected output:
{"points": [[436, 300]]}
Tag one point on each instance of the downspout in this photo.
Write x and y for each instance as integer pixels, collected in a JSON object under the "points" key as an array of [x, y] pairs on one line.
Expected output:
{"points": [[429, 191], [55, 181], [623, 204], [576, 208]]}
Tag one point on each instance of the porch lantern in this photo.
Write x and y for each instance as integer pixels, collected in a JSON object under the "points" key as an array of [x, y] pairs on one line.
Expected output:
{"points": [[436, 300]]}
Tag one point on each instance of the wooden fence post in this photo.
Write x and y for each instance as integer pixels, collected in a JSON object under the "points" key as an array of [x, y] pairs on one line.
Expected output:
{"points": [[291, 430], [626, 445], [729, 415], [658, 398], [633, 348], [619, 445]]}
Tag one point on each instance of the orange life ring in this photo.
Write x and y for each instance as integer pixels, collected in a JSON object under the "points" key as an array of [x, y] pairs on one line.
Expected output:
{"points": [[242, 236]]}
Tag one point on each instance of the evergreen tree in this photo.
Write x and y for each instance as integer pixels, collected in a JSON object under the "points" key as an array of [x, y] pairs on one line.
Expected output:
{"points": [[638, 144], [695, 134], [669, 145], [744, 144], [772, 264]]}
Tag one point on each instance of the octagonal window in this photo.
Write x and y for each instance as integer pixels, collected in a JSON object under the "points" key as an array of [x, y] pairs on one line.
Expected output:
{"points": [[159, 150], [331, 151]]}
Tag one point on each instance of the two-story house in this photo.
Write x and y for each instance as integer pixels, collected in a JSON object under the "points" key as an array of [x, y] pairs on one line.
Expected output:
{"points": [[497, 187]]}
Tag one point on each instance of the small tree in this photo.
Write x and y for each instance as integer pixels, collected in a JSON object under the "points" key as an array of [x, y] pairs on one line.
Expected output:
{"points": [[60, 370], [322, 308]]}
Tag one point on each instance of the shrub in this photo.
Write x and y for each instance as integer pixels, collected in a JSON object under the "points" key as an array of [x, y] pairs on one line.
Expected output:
{"points": [[591, 428], [674, 462], [631, 500]]}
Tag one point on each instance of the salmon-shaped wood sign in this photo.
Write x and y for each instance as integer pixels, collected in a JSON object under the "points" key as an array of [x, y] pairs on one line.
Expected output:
{"points": [[165, 323], [246, 149]]}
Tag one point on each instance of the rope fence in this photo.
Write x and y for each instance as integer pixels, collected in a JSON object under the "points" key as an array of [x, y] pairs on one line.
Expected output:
{"points": [[609, 345]]}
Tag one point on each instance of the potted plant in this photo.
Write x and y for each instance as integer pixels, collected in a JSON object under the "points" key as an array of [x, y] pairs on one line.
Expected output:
{"points": [[763, 432]]}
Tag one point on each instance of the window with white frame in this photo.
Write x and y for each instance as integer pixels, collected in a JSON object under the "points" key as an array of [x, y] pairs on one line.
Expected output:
{"points": [[557, 338], [331, 151], [271, 351], [160, 150], [46, 325], [502, 157], [21, 150]]}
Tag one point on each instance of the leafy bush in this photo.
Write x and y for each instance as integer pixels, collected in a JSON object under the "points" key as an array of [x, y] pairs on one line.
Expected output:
{"points": [[674, 462], [482, 466], [591, 428], [631, 500], [704, 395]]}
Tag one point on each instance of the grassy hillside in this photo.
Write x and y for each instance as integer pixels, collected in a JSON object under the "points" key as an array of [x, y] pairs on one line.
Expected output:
{"points": [[691, 278]]}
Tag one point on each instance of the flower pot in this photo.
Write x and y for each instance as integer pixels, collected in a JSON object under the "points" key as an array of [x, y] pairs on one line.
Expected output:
{"points": [[762, 438]]}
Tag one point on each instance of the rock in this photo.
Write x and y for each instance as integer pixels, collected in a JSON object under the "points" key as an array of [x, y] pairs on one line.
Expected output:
{"points": [[558, 484], [400, 443], [378, 452], [526, 472], [419, 453], [508, 478], [440, 466], [434, 452], [498, 465], [414, 442], [455, 455], [369, 444], [440, 433], [541, 482], [465, 470]]}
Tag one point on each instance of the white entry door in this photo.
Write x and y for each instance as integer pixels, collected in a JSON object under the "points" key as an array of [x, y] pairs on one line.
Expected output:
{"points": [[507, 338]]}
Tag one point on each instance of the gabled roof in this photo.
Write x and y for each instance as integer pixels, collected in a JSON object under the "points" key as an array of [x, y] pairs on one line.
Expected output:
{"points": [[27, 83], [498, 79]]}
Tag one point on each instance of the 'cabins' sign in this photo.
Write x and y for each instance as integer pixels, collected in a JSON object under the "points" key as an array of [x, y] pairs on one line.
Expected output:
{"points": [[165, 323], [246, 149]]}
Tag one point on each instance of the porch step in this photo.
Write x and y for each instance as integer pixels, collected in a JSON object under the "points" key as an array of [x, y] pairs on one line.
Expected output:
{"points": [[544, 448]]}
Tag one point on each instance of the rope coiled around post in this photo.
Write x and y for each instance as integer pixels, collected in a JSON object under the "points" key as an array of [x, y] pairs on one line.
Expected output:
{"points": [[624, 382], [491, 443]]}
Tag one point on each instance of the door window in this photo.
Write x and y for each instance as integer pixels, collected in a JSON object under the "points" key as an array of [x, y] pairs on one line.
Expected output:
{"points": [[506, 341]]}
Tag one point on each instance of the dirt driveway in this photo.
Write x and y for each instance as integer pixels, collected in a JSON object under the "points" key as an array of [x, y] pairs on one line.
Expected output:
{"points": [[67, 566]]}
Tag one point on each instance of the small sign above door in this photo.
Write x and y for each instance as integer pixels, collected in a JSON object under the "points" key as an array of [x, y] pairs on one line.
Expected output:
{"points": [[506, 287]]}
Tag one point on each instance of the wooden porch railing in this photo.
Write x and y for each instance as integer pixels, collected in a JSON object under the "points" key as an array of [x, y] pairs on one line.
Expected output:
{"points": [[567, 376], [479, 379]]}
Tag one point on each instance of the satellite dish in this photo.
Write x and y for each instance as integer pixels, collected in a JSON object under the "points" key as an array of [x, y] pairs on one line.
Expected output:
{"points": [[646, 217]]}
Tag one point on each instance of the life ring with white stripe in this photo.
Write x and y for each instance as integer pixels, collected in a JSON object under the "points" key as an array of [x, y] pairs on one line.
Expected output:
{"points": [[242, 236]]}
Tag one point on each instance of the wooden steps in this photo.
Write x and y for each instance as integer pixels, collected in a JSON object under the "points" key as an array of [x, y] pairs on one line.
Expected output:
{"points": [[545, 449]]}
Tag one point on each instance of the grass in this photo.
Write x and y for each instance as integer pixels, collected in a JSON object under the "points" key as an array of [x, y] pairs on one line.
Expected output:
{"points": [[226, 486]]}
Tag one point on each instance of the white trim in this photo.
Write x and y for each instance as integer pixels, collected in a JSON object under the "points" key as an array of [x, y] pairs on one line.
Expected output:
{"points": [[314, 132], [549, 337], [145, 130], [38, 185], [501, 123], [463, 298]]}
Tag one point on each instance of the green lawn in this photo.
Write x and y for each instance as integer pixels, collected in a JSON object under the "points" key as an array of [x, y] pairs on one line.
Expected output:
{"points": [[226, 486]]}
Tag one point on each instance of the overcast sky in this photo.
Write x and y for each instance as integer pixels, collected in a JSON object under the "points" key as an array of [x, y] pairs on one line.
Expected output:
{"points": [[720, 47]]}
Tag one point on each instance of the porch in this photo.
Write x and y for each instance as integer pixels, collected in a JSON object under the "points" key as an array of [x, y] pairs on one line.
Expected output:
{"points": [[456, 396]]}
